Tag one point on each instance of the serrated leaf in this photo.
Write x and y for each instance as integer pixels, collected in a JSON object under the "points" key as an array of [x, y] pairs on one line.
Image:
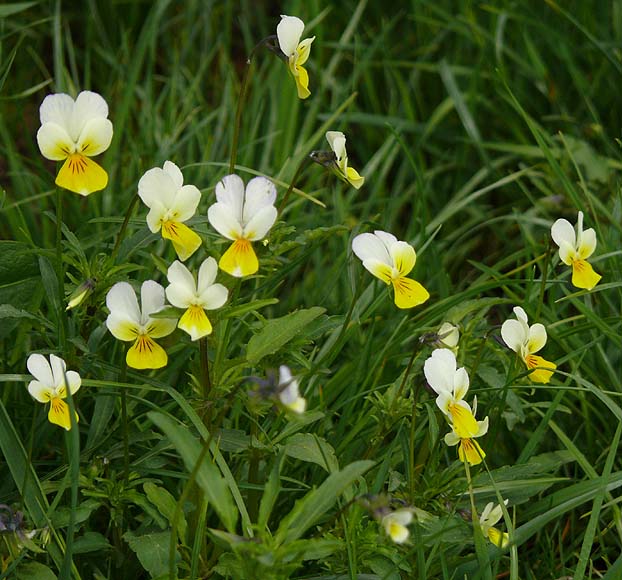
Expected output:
{"points": [[278, 332], [152, 551]]}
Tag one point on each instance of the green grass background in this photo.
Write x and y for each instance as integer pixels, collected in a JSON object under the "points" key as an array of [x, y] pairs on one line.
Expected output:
{"points": [[476, 125]]}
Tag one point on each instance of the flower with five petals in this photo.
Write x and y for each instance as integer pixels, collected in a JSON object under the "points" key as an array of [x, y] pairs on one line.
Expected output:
{"points": [[469, 450], [391, 261], [184, 292], [75, 131], [171, 203], [243, 216], [50, 386], [337, 142], [488, 518], [128, 322], [288, 33], [527, 340], [395, 524], [575, 249]]}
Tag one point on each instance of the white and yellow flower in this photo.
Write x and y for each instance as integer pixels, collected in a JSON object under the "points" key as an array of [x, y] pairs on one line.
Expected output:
{"points": [[337, 142], [288, 33], [527, 340], [448, 336], [50, 386], [74, 131], [574, 250], [243, 216], [288, 391], [395, 524], [488, 518], [196, 298], [128, 322], [171, 203], [469, 450], [451, 384], [391, 261]]}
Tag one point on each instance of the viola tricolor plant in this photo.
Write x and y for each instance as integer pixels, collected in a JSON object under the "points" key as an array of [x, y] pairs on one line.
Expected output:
{"points": [[296, 52]]}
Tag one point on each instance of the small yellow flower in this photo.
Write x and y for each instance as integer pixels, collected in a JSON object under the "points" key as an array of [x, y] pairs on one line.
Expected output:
{"points": [[75, 131], [288, 32], [527, 340], [243, 216], [469, 450], [395, 524], [489, 517], [50, 386], [575, 249], [337, 142], [391, 261], [184, 292], [128, 322], [171, 203]]}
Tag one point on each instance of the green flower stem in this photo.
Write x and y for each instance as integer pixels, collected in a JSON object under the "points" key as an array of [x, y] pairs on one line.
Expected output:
{"points": [[126, 434], [302, 165], [206, 383], [253, 474], [60, 274], [126, 220]]}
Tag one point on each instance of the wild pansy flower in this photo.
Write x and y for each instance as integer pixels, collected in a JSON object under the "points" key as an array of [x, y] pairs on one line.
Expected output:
{"points": [[575, 249], [74, 131], [128, 322], [451, 384], [489, 517], [469, 450], [391, 261], [288, 33], [243, 216], [50, 386], [288, 392], [526, 340], [395, 524], [337, 142], [196, 298], [171, 203]]}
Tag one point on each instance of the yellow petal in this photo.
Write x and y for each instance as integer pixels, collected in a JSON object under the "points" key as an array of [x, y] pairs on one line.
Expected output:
{"points": [[409, 293], [59, 413], [146, 354], [470, 451], [540, 375], [498, 538], [464, 423], [583, 275], [356, 180], [195, 322], [81, 175], [302, 80], [240, 259], [185, 241]]}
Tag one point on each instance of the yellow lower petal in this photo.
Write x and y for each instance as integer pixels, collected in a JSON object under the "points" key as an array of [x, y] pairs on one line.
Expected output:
{"points": [[498, 538], [470, 451], [59, 413], [185, 241], [81, 175], [240, 259], [146, 354], [356, 180], [195, 322], [302, 80], [464, 423], [409, 293], [583, 275], [540, 375]]}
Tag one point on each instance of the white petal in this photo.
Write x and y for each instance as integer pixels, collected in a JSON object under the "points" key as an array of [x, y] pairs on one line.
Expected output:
{"points": [[449, 334], [513, 334], [562, 231], [285, 374], [182, 289], [439, 370], [156, 185], [461, 383], [174, 173], [260, 223], [40, 391], [39, 367], [230, 191], [224, 221], [451, 439], [260, 193], [151, 298], [402, 516], [57, 109], [387, 238], [156, 215], [89, 105], [537, 338], [58, 370], [121, 301], [214, 296], [207, 274], [185, 203], [520, 314], [95, 137], [74, 381], [587, 244], [288, 32], [337, 142], [54, 142], [482, 427], [370, 246]]}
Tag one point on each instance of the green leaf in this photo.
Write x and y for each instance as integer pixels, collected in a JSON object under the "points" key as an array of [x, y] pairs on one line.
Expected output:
{"points": [[90, 542], [313, 449], [237, 311], [152, 551], [209, 477], [34, 571], [15, 7], [166, 505], [309, 509], [278, 332]]}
